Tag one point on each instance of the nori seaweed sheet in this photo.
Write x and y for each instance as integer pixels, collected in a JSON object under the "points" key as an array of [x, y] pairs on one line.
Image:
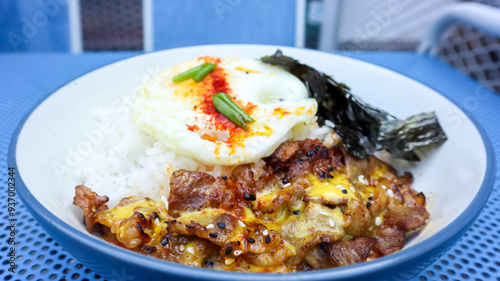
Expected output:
{"points": [[356, 121]]}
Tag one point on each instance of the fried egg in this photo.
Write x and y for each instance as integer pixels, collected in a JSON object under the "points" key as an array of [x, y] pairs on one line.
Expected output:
{"points": [[183, 117]]}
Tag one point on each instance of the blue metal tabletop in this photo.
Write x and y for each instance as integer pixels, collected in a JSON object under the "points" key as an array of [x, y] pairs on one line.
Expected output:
{"points": [[25, 79]]}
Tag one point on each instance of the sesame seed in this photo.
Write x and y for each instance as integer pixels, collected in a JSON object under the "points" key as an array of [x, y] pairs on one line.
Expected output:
{"points": [[157, 221], [332, 223], [268, 239], [265, 232], [229, 261], [390, 192], [155, 215], [287, 185], [330, 169], [190, 250], [164, 242], [189, 226], [323, 213], [284, 180], [229, 250], [368, 204], [249, 197], [251, 240], [221, 225], [378, 221], [165, 201], [213, 235], [324, 175], [210, 226], [339, 186], [384, 187], [210, 263], [344, 191], [182, 248], [237, 253], [296, 212], [362, 179], [241, 223], [224, 177], [352, 189], [148, 249], [370, 198], [326, 183]]}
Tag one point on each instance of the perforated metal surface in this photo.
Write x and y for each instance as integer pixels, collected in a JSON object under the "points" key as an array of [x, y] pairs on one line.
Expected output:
{"points": [[26, 79], [39, 257], [476, 256], [473, 52], [111, 25]]}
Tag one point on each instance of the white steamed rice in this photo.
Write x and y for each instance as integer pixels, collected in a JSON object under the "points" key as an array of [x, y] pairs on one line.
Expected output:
{"points": [[130, 163]]}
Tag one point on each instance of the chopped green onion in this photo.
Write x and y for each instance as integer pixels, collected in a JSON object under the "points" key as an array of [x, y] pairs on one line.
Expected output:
{"points": [[229, 113], [188, 73], [226, 106], [229, 101], [204, 71]]}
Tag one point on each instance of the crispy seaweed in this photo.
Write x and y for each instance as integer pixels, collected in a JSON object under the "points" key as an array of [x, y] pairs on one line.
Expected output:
{"points": [[355, 121], [403, 137]]}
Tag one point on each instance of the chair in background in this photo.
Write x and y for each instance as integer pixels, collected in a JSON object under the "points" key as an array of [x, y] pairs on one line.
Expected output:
{"points": [[475, 49], [393, 26]]}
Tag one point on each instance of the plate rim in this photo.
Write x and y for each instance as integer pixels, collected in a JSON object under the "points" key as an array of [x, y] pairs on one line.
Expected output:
{"points": [[447, 235]]}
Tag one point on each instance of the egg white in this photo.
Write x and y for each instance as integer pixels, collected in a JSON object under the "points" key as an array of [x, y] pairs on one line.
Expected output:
{"points": [[169, 111]]}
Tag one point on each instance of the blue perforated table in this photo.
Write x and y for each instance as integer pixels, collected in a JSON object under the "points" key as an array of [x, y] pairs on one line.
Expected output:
{"points": [[25, 79]]}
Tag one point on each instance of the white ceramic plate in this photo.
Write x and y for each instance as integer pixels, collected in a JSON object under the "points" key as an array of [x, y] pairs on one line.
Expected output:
{"points": [[57, 131]]}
